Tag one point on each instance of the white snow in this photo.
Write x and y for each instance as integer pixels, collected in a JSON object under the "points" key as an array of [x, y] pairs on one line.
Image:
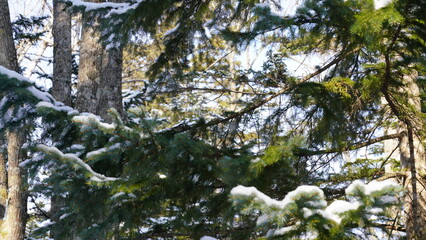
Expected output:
{"points": [[262, 219], [162, 176], [39, 94], [103, 150], [59, 107], [95, 121], [46, 100], [95, 6], [283, 230], [170, 31], [262, 5], [375, 210], [64, 216], [355, 187], [77, 163], [304, 190], [381, 3], [253, 192], [376, 186], [313, 201], [117, 195], [208, 238], [372, 187], [315, 194], [338, 207], [388, 199], [13, 74]]}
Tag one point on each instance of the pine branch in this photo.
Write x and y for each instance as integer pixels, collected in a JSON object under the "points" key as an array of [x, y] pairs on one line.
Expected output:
{"points": [[258, 104], [307, 153]]}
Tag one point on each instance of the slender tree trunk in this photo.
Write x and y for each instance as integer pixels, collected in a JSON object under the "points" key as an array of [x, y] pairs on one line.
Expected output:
{"points": [[8, 57], [3, 184], [16, 209], [100, 69], [13, 227]]}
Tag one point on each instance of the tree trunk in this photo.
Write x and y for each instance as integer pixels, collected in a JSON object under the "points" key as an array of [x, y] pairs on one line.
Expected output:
{"points": [[3, 184], [111, 75], [61, 90], [13, 227], [16, 209], [99, 76], [412, 158], [8, 57], [62, 53]]}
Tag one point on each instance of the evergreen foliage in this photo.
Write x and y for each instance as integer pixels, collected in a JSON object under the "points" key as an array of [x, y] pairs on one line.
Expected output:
{"points": [[171, 167], [304, 212]]}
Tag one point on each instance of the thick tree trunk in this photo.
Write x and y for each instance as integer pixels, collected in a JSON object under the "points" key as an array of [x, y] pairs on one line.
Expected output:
{"points": [[111, 75], [413, 159], [61, 90], [411, 153], [62, 54], [99, 76]]}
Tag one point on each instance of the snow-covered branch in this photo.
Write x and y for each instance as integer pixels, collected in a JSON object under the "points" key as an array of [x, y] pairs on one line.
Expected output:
{"points": [[76, 162]]}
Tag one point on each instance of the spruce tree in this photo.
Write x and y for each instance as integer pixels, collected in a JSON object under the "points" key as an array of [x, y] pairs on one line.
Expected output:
{"points": [[143, 175]]}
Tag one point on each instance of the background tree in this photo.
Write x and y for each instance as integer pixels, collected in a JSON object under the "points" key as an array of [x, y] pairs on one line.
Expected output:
{"points": [[165, 175], [13, 198]]}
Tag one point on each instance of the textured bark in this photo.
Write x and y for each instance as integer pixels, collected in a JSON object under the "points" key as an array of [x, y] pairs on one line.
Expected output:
{"points": [[13, 227], [411, 153], [110, 90], [7, 48], [3, 184], [62, 54], [61, 90], [413, 159], [16, 208], [99, 76]]}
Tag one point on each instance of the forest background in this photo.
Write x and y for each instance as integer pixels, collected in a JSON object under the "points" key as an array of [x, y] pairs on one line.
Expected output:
{"points": [[157, 113]]}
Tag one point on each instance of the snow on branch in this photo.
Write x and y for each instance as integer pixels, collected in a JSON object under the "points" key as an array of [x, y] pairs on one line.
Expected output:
{"points": [[305, 205], [12, 74], [76, 162], [95, 121], [45, 99], [115, 8]]}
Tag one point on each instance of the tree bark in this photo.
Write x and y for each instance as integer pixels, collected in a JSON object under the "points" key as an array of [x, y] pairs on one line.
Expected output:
{"points": [[16, 208], [99, 76], [62, 53], [13, 226], [3, 184], [61, 90], [412, 157], [8, 57]]}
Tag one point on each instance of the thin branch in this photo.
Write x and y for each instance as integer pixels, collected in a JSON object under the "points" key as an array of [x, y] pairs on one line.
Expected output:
{"points": [[258, 104], [307, 153]]}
